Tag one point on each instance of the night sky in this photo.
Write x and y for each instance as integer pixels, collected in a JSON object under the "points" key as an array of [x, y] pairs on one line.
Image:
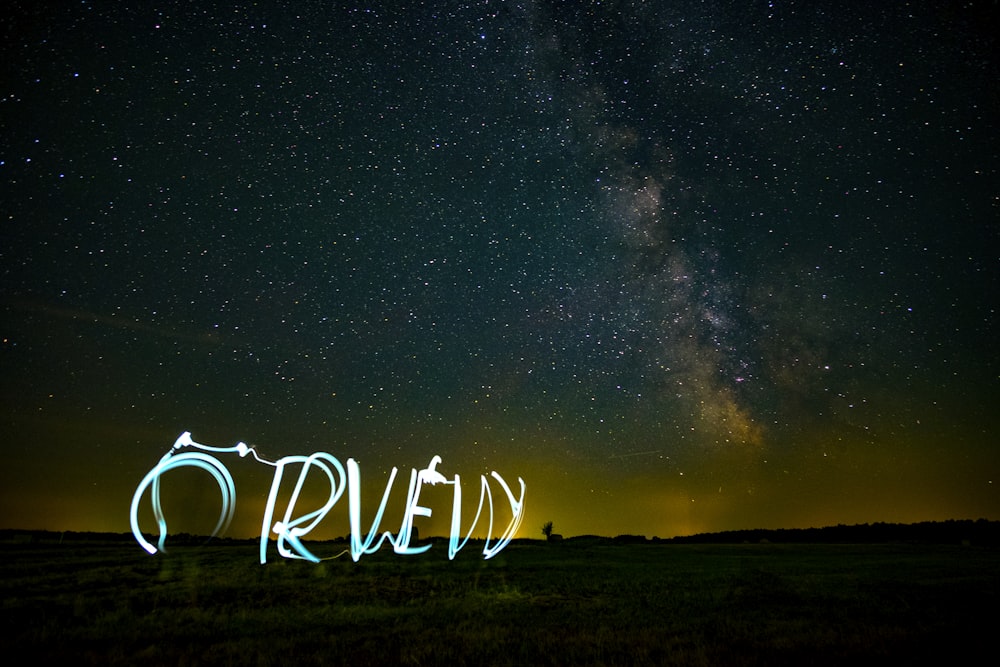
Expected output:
{"points": [[682, 266]]}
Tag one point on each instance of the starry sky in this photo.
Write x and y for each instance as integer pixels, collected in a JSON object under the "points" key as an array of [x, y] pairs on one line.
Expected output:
{"points": [[682, 266]]}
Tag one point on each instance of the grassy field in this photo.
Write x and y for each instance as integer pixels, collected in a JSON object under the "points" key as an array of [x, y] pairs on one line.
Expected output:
{"points": [[555, 604]]}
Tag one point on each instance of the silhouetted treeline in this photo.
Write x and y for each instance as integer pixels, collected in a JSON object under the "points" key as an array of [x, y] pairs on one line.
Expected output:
{"points": [[966, 531], [980, 532], [13, 536]]}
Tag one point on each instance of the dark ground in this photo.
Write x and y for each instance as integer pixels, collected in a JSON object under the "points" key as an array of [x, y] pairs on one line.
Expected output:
{"points": [[571, 603]]}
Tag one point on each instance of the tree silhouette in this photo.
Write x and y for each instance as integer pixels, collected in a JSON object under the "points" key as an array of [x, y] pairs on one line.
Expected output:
{"points": [[547, 529]]}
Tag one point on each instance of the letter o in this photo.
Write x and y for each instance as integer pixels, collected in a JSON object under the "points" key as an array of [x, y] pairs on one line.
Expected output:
{"points": [[208, 463]]}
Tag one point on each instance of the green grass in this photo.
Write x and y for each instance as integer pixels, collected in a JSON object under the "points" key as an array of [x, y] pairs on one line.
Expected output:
{"points": [[539, 604]]}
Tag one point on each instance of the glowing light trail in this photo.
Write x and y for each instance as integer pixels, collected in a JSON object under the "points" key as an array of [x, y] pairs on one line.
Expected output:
{"points": [[291, 528]]}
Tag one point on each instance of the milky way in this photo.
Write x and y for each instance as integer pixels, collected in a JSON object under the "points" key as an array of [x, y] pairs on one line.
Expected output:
{"points": [[681, 266]]}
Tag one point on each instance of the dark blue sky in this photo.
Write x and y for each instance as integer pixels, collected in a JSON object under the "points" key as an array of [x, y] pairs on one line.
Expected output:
{"points": [[682, 266]]}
